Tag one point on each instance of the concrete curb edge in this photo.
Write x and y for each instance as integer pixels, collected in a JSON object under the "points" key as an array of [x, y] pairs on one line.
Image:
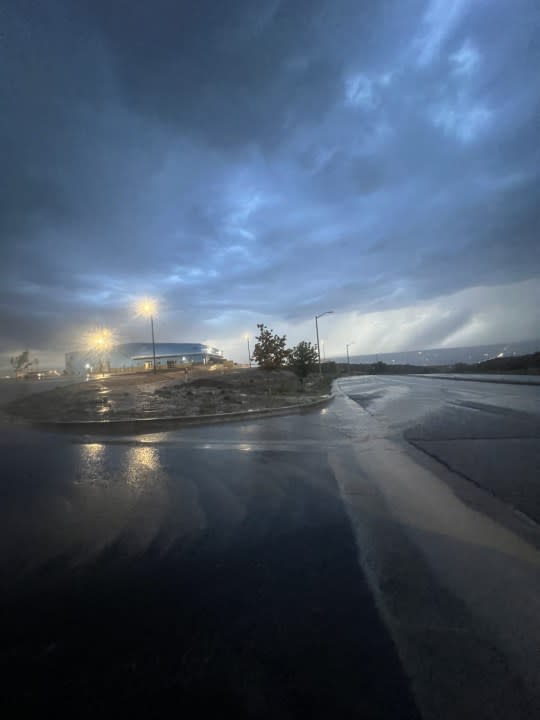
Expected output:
{"points": [[169, 423]]}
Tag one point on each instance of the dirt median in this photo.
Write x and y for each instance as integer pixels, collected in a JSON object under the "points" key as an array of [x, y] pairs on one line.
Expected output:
{"points": [[167, 394]]}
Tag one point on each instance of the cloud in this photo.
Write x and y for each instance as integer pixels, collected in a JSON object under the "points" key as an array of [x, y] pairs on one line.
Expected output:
{"points": [[258, 162], [359, 91], [438, 21], [466, 123], [465, 60]]}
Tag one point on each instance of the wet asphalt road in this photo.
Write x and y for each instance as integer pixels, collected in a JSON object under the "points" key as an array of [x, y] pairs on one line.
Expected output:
{"points": [[318, 565], [489, 433]]}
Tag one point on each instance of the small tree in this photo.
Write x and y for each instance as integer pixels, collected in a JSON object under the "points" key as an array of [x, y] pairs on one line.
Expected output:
{"points": [[22, 362], [19, 361], [303, 359], [270, 352]]}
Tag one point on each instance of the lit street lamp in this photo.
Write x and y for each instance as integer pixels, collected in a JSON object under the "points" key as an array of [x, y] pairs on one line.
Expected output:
{"points": [[99, 343], [246, 337], [348, 358], [147, 307], [327, 312]]}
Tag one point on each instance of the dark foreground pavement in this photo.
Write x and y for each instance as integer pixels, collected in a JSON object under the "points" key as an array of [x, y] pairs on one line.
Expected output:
{"points": [[303, 566], [189, 575]]}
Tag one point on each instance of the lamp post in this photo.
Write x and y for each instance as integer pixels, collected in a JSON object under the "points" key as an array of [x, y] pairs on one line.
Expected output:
{"points": [[348, 358], [153, 342], [147, 308], [327, 312], [249, 349], [99, 343], [101, 350]]}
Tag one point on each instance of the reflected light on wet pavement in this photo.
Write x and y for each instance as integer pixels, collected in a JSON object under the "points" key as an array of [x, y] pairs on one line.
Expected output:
{"points": [[142, 464], [92, 451]]}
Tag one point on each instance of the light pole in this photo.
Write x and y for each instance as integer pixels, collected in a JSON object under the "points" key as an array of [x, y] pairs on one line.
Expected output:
{"points": [[153, 342], [99, 343], [147, 308], [249, 350], [327, 312], [348, 358]]}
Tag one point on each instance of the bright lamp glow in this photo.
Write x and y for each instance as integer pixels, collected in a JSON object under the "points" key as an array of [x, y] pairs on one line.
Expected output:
{"points": [[147, 307], [100, 340]]}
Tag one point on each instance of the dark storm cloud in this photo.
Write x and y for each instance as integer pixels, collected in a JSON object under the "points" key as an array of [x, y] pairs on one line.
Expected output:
{"points": [[263, 159], [221, 71]]}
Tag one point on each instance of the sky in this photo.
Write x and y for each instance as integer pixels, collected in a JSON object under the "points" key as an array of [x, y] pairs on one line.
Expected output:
{"points": [[248, 162]]}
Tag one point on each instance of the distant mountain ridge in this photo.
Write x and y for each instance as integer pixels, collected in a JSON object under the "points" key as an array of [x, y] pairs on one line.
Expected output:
{"points": [[449, 356]]}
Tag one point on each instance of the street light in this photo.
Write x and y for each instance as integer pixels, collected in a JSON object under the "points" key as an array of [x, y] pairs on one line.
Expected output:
{"points": [[348, 358], [99, 343], [100, 339], [327, 312], [147, 307], [246, 337]]}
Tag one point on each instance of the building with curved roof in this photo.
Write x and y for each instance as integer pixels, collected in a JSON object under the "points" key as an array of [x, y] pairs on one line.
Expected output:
{"points": [[140, 355]]}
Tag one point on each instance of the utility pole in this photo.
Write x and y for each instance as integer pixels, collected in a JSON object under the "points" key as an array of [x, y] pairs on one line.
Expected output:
{"points": [[348, 358], [153, 341], [328, 312]]}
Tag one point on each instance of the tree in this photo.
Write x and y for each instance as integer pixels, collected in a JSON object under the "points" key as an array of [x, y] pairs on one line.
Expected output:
{"points": [[270, 352], [20, 361], [303, 359]]}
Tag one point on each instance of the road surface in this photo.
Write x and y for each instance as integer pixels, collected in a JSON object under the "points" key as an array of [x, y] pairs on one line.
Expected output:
{"points": [[318, 565]]}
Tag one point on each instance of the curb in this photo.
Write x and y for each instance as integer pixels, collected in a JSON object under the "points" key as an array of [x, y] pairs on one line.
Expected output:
{"points": [[483, 379], [154, 424]]}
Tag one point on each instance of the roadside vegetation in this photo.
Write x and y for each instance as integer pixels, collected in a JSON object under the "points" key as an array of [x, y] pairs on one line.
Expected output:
{"points": [[271, 353], [516, 365], [22, 363]]}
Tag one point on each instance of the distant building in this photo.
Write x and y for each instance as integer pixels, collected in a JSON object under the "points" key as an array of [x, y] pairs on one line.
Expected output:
{"points": [[139, 355]]}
